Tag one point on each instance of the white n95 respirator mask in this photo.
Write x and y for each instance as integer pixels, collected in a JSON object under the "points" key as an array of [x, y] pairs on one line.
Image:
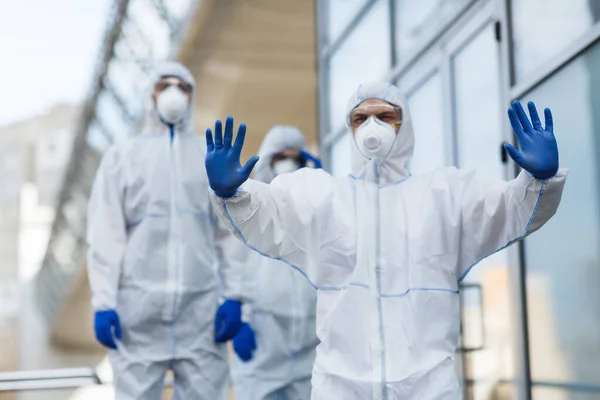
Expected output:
{"points": [[285, 166], [375, 138], [171, 105]]}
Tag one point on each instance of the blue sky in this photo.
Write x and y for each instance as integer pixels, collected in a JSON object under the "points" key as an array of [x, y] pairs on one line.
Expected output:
{"points": [[48, 53]]}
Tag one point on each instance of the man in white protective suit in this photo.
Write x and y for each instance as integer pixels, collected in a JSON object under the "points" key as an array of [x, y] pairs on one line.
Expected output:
{"points": [[276, 345], [154, 241], [387, 250]]}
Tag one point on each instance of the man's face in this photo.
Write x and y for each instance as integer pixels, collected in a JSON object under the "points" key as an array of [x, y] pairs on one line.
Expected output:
{"points": [[383, 111], [294, 154], [168, 81]]}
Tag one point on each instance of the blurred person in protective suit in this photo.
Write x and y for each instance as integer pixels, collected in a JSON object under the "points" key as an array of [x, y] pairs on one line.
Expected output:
{"points": [[276, 345], [153, 244]]}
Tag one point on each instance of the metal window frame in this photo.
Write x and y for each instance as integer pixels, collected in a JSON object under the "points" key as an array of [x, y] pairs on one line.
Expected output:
{"points": [[556, 63], [431, 64], [425, 43]]}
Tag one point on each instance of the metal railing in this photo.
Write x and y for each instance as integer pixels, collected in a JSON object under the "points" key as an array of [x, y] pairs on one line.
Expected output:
{"points": [[48, 379], [51, 379]]}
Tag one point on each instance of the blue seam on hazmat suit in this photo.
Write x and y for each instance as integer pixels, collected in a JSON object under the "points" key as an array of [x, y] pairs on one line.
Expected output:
{"points": [[362, 285], [421, 289], [175, 295], [378, 281], [202, 214], [521, 236], [239, 233], [156, 135], [381, 295], [357, 284]]}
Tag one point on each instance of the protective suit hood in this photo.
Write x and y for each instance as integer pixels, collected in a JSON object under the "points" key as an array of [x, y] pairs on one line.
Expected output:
{"points": [[279, 138], [394, 167], [152, 123]]}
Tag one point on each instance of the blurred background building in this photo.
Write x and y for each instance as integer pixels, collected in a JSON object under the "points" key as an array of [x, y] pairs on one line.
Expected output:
{"points": [[531, 313]]}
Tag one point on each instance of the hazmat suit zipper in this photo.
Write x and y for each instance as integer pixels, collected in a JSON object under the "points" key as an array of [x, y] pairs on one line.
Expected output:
{"points": [[172, 258], [295, 348], [378, 279]]}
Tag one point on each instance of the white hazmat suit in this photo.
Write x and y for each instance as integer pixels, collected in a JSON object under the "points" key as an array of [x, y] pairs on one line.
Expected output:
{"points": [[386, 252], [281, 309], [154, 242]]}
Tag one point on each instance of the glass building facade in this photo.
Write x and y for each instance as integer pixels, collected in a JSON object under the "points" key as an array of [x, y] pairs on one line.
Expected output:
{"points": [[531, 313]]}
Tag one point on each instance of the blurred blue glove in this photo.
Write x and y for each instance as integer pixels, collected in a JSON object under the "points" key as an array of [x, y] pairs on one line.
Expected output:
{"points": [[539, 151], [244, 343], [306, 156], [104, 323], [228, 320], [225, 173]]}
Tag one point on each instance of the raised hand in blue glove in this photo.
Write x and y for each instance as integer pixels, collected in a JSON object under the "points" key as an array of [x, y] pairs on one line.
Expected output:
{"points": [[107, 327], [306, 156], [225, 173], [228, 320], [539, 151], [244, 343]]}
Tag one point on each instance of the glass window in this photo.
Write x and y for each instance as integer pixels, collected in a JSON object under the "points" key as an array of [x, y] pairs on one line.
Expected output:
{"points": [[339, 15], [487, 319], [427, 113], [364, 57], [415, 20], [563, 258], [478, 108], [340, 156], [540, 35]]}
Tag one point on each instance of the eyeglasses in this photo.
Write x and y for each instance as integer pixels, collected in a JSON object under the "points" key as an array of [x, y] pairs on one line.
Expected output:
{"points": [[386, 113], [164, 83]]}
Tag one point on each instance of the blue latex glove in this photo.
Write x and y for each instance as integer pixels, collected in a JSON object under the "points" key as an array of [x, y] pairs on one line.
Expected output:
{"points": [[225, 173], [306, 156], [244, 343], [107, 327], [539, 151], [228, 320]]}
